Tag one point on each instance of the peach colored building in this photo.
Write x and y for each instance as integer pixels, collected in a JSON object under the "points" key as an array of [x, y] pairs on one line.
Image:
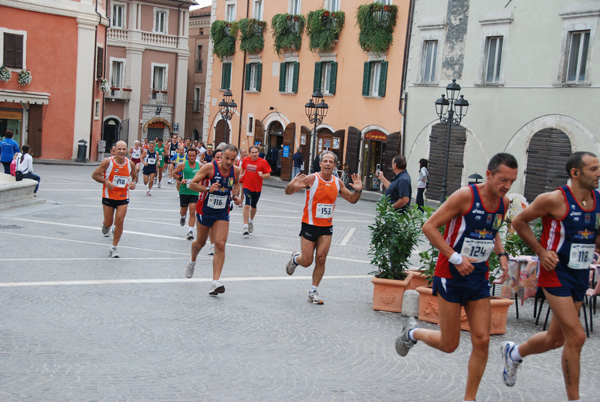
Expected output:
{"points": [[147, 63], [61, 44], [362, 88]]}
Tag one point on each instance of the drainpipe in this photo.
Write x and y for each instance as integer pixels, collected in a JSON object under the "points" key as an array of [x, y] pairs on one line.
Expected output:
{"points": [[404, 94], [243, 85]]}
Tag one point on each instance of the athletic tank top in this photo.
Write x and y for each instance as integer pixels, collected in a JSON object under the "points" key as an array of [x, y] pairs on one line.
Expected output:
{"points": [[320, 201], [179, 159], [160, 151], [217, 202], [119, 176], [173, 147], [188, 173], [136, 153], [472, 235], [572, 238], [151, 158]]}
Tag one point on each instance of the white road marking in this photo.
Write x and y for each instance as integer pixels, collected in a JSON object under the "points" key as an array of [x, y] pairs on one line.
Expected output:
{"points": [[348, 236]]}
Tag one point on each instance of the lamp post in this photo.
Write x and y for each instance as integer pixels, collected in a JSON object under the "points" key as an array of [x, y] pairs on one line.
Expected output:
{"points": [[316, 110], [227, 109], [450, 109]]}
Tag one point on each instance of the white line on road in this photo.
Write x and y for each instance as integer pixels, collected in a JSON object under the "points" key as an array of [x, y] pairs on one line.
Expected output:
{"points": [[348, 236]]}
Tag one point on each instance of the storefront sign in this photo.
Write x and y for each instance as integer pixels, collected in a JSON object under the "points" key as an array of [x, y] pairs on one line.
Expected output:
{"points": [[286, 151], [157, 124], [7, 114], [376, 135]]}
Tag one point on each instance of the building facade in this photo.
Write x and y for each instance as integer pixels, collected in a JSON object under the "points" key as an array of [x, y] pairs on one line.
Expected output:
{"points": [[272, 84], [531, 73], [50, 83], [147, 63]]}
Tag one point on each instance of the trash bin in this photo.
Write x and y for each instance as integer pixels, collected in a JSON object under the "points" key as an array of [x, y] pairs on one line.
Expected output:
{"points": [[81, 150], [101, 149]]}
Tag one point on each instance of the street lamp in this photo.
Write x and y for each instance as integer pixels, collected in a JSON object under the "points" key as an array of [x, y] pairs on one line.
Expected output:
{"points": [[316, 110], [450, 109], [227, 109]]}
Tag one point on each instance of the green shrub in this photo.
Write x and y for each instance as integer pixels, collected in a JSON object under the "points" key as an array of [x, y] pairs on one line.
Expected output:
{"points": [[323, 28], [287, 31], [223, 35], [376, 23], [252, 35]]}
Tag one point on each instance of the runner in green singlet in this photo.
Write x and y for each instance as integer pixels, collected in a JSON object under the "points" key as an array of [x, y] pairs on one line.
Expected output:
{"points": [[188, 198], [160, 149]]}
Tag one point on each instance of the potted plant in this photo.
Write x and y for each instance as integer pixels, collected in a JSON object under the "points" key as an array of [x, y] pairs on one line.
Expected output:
{"points": [[323, 29], [24, 77], [287, 31], [104, 85], [376, 25], [4, 74], [251, 35], [223, 35], [394, 236]]}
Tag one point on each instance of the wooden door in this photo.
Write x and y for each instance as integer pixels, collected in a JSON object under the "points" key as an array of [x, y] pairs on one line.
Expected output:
{"points": [[353, 149], [35, 129], [305, 137], [391, 149], [288, 141], [220, 132], [259, 133], [338, 146], [437, 154]]}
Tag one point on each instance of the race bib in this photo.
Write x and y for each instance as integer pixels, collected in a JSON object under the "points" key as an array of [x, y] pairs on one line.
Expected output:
{"points": [[324, 211], [160, 158], [151, 161], [479, 249], [581, 256], [120, 181], [217, 201]]}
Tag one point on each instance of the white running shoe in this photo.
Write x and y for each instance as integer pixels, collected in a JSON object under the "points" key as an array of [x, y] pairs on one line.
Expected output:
{"points": [[158, 185], [509, 370], [190, 235], [216, 288], [148, 193], [250, 227], [189, 269], [105, 230], [290, 267], [155, 180], [245, 232], [314, 298], [113, 253], [403, 342]]}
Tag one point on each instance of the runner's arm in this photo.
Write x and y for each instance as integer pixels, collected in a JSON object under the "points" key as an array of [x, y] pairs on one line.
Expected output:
{"points": [[179, 168], [298, 183], [99, 176], [195, 184], [143, 157], [134, 177], [356, 185], [236, 197]]}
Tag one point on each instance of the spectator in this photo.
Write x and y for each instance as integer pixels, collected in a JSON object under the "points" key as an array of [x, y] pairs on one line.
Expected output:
{"points": [[8, 148], [422, 183], [399, 190], [297, 159], [25, 165]]}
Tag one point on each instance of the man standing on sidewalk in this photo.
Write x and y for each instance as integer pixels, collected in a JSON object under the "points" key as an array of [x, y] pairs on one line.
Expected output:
{"points": [[570, 222], [114, 173], [297, 159], [254, 170], [399, 190]]}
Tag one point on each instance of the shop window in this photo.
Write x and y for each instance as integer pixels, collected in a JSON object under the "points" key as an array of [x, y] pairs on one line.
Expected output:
{"points": [[374, 78], [288, 77], [325, 77], [226, 76], [13, 50], [253, 77]]}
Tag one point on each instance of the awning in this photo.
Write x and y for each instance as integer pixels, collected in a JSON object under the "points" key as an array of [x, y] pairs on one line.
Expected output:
{"points": [[34, 98]]}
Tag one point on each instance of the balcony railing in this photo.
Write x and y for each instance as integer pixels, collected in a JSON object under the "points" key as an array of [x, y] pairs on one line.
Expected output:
{"points": [[119, 93], [118, 34], [158, 95], [148, 38]]}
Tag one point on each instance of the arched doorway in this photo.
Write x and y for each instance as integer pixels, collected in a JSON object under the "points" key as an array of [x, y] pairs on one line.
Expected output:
{"points": [[195, 135], [111, 132], [274, 146], [374, 146], [221, 132], [547, 156]]}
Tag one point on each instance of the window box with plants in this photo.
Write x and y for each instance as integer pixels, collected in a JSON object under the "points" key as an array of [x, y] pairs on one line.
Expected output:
{"points": [[223, 35], [394, 237], [4, 74], [287, 31], [252, 35], [376, 22], [323, 29]]}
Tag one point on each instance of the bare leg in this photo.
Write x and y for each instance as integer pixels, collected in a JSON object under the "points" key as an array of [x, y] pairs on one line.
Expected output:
{"points": [[252, 213], [323, 244], [307, 251], [108, 215], [151, 181], [121, 211], [192, 218], [448, 337], [201, 235], [246, 213], [220, 232], [479, 315]]}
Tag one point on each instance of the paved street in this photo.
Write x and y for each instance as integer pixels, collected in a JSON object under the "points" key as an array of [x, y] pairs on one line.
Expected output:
{"points": [[76, 325]]}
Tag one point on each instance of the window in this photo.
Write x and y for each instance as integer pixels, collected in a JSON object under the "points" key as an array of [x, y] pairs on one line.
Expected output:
{"points": [[253, 77], [160, 21], [250, 126], [325, 77], [199, 60], [197, 99], [230, 12], [226, 76], [493, 59], [332, 5], [159, 82], [288, 77], [118, 16], [385, 2], [96, 109], [295, 6], [257, 11], [577, 56], [374, 78], [116, 73], [13, 50], [100, 63], [429, 60]]}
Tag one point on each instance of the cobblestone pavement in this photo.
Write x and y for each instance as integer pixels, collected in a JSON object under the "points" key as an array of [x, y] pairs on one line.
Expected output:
{"points": [[76, 325]]}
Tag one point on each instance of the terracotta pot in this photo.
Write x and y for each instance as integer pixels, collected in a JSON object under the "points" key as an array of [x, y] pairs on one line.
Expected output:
{"points": [[429, 311], [388, 294], [418, 279]]}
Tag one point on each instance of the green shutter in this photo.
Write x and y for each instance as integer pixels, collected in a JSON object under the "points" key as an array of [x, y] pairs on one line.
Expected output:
{"points": [[226, 76], [333, 78], [258, 76], [296, 73], [247, 80], [383, 78], [281, 77], [317, 81], [366, 78]]}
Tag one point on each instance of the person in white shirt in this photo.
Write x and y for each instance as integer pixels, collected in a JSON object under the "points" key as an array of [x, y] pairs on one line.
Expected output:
{"points": [[422, 183], [25, 165]]}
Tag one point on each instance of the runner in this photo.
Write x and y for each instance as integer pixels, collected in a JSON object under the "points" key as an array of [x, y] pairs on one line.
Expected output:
{"points": [[187, 197], [213, 211], [135, 153], [317, 221], [243, 154], [172, 150], [254, 170], [570, 222], [114, 173], [176, 159], [149, 159], [472, 215], [145, 144], [160, 149]]}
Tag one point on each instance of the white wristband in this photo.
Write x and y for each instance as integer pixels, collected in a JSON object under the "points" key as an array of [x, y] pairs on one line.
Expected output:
{"points": [[455, 259]]}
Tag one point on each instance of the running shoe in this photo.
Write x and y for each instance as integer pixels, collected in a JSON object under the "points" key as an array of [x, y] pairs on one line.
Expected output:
{"points": [[403, 343], [290, 267], [212, 250], [189, 269], [182, 221], [113, 253], [245, 232], [158, 185], [250, 227], [509, 371], [155, 180], [112, 231], [105, 230], [314, 298], [190, 235], [148, 193], [216, 288]]}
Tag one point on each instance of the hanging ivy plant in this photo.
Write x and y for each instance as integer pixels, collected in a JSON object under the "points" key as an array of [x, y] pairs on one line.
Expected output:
{"points": [[223, 35], [376, 22], [287, 31], [323, 28], [251, 35]]}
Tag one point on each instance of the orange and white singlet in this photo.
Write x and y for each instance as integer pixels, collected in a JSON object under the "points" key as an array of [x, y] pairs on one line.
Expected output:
{"points": [[320, 201], [119, 176]]}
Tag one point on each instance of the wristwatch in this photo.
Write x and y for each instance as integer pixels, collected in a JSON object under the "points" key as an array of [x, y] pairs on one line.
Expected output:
{"points": [[503, 253]]}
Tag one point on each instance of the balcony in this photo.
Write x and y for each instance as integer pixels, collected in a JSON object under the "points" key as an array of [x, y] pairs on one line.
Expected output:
{"points": [[149, 39], [158, 96], [161, 40], [116, 93]]}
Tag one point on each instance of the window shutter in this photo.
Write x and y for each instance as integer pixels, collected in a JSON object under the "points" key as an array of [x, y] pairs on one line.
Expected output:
{"points": [[9, 51], [333, 78], [296, 73], [258, 76], [317, 81], [226, 76], [282, 77], [383, 78], [100, 63], [247, 81], [366, 78]]}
